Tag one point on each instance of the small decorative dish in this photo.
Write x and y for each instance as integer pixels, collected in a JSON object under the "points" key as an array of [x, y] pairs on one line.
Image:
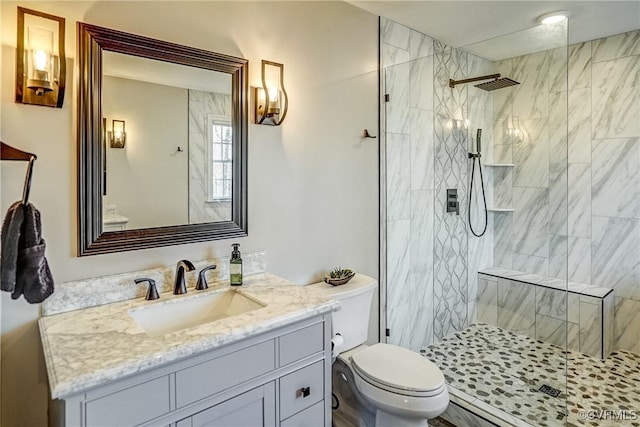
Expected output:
{"points": [[339, 276]]}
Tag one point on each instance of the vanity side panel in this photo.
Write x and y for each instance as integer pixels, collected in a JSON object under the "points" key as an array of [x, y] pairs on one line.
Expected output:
{"points": [[328, 364], [66, 412]]}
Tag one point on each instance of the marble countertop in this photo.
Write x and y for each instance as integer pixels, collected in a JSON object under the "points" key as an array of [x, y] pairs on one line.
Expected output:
{"points": [[93, 346]]}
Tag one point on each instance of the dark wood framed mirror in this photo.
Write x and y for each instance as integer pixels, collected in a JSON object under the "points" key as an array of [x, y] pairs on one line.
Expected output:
{"points": [[93, 44]]}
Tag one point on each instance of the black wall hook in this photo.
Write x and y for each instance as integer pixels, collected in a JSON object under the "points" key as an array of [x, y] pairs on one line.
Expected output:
{"points": [[366, 134], [8, 152]]}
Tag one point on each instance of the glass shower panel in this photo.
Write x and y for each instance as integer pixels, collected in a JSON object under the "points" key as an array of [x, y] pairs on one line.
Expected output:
{"points": [[408, 121]]}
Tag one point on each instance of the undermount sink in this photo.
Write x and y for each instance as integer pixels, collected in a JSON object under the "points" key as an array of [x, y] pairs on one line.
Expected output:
{"points": [[190, 311]]}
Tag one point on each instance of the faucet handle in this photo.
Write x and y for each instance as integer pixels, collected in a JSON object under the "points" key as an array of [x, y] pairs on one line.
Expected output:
{"points": [[152, 292], [202, 279]]}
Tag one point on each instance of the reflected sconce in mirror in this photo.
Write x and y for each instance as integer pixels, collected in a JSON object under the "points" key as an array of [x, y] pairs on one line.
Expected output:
{"points": [[40, 59], [514, 130], [117, 136], [271, 99], [459, 124]]}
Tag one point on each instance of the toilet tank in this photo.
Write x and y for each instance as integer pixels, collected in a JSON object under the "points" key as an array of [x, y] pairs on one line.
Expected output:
{"points": [[352, 320]]}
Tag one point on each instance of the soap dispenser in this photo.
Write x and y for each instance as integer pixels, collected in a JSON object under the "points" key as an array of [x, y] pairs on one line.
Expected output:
{"points": [[235, 266]]}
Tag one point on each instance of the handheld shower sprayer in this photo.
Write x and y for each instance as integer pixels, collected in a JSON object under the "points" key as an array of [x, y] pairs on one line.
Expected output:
{"points": [[478, 145], [473, 158]]}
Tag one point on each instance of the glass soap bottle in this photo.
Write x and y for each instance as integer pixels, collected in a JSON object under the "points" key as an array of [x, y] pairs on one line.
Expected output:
{"points": [[235, 266]]}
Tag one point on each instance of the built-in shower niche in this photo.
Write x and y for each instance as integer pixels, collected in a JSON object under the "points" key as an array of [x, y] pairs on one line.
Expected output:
{"points": [[541, 308], [502, 181]]}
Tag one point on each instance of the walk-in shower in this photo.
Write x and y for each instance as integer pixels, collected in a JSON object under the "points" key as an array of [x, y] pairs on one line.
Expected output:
{"points": [[535, 322]]}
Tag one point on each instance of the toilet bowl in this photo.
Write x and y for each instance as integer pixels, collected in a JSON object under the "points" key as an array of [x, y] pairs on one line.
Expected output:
{"points": [[398, 386], [404, 388]]}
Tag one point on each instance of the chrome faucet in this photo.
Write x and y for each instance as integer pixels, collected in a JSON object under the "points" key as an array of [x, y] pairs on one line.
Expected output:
{"points": [[179, 286]]}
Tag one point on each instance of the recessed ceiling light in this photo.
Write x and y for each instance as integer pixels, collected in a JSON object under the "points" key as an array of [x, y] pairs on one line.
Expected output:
{"points": [[553, 17]]}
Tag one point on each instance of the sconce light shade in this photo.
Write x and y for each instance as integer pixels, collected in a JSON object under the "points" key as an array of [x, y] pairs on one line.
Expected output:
{"points": [[40, 59], [271, 99], [117, 135]]}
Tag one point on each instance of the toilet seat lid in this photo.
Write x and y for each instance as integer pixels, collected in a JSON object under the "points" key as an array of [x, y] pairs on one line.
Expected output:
{"points": [[398, 368]]}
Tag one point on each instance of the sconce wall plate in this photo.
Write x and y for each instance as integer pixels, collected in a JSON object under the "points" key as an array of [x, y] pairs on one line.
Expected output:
{"points": [[40, 59], [271, 100]]}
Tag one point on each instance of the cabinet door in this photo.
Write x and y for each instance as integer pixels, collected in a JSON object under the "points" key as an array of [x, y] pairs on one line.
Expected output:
{"points": [[255, 408]]}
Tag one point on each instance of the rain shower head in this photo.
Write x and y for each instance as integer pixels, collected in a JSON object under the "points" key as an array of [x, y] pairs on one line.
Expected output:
{"points": [[496, 83]]}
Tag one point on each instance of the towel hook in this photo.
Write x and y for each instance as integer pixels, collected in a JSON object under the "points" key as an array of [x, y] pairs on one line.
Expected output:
{"points": [[366, 134], [8, 152], [27, 181]]}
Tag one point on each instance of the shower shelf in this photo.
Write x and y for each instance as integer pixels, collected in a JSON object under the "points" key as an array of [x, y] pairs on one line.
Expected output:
{"points": [[499, 165], [500, 209]]}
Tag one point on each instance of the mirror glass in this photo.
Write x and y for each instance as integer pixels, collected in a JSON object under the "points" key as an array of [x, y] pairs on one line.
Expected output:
{"points": [[162, 142], [176, 164]]}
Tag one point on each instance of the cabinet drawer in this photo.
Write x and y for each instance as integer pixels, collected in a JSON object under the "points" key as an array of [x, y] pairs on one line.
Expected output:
{"points": [[216, 375], [301, 343], [310, 417], [301, 389], [130, 406]]}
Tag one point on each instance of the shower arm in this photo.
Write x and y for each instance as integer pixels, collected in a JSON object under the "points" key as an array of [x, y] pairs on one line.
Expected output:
{"points": [[453, 83]]}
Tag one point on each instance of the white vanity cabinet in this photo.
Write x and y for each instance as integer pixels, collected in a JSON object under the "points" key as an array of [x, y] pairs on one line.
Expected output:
{"points": [[276, 378]]}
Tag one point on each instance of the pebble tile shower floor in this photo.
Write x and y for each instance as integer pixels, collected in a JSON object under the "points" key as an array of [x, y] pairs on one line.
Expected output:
{"points": [[507, 370]]}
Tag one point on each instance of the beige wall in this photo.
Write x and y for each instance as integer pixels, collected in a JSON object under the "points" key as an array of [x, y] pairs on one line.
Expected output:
{"points": [[1, 91], [156, 122], [313, 182]]}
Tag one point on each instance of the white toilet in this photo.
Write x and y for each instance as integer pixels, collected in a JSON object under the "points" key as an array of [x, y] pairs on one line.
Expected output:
{"points": [[402, 388]]}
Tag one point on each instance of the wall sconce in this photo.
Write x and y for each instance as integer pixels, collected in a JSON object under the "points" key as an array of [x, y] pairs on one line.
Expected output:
{"points": [[271, 99], [40, 60], [117, 136]]}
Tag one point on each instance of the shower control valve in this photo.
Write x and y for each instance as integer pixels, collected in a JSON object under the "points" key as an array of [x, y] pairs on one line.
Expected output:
{"points": [[452, 201]]}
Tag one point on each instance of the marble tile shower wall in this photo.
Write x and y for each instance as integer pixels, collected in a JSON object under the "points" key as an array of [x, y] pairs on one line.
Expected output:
{"points": [[536, 187], [430, 288], [599, 163], [201, 106], [480, 115]]}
